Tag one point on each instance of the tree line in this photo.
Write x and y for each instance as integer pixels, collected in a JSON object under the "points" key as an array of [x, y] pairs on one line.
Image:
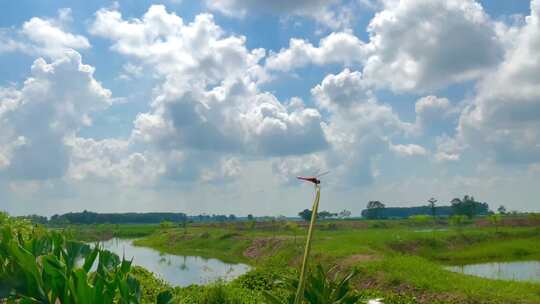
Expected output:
{"points": [[466, 206], [88, 217]]}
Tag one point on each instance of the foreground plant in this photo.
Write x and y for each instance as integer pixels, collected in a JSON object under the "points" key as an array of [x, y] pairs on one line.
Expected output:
{"points": [[39, 266], [321, 287]]}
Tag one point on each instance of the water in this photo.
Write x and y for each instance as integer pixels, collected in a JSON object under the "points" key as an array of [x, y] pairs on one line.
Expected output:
{"points": [[514, 271], [174, 269]]}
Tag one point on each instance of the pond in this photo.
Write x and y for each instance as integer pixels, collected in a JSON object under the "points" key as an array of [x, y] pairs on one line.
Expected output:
{"points": [[174, 269], [528, 271]]}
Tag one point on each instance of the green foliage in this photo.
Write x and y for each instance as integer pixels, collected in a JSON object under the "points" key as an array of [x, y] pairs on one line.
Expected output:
{"points": [[305, 214], [421, 219], [259, 279], [217, 293], [458, 221], [329, 226], [495, 220], [469, 207], [42, 267], [373, 210], [151, 287], [378, 224], [166, 225], [322, 287]]}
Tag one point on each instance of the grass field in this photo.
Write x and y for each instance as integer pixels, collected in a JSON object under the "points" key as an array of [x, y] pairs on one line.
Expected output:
{"points": [[401, 259]]}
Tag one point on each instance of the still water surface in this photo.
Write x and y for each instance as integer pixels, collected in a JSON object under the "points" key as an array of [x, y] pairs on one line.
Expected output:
{"points": [[528, 271], [174, 269]]}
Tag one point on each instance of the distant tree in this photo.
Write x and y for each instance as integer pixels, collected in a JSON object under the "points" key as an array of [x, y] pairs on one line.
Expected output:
{"points": [[375, 205], [501, 210], [469, 206], [344, 213], [373, 209], [250, 217], [305, 215], [325, 214], [432, 206], [232, 217], [455, 201]]}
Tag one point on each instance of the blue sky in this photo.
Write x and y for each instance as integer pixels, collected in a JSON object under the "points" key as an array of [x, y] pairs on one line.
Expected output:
{"points": [[215, 106]]}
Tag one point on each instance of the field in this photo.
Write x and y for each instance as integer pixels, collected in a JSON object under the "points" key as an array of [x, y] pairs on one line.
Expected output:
{"points": [[394, 257], [399, 261]]}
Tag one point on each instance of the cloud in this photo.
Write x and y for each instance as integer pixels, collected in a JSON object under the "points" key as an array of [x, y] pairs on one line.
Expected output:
{"points": [[422, 45], [414, 45], [358, 129], [43, 37], [341, 47], [288, 168], [111, 160], [434, 114], [408, 150], [53, 103], [208, 108], [448, 149], [503, 120], [330, 13], [343, 90], [194, 54]]}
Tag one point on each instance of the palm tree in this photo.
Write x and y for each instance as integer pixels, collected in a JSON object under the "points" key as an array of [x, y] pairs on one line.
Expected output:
{"points": [[432, 202]]}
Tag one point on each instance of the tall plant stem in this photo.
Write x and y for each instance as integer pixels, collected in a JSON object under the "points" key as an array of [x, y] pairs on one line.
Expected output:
{"points": [[301, 284]]}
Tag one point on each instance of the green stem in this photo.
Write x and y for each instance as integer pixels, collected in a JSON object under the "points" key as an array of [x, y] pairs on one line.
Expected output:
{"points": [[301, 283]]}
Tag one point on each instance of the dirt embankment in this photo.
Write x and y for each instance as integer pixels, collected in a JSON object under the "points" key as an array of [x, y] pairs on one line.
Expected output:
{"points": [[263, 247]]}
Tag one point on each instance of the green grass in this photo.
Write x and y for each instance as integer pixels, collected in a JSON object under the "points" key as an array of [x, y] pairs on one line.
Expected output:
{"points": [[216, 243], [90, 233], [399, 260], [416, 275]]}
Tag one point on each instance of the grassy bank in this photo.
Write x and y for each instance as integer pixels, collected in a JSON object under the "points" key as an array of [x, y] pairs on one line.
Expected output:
{"points": [[400, 260], [90, 233]]}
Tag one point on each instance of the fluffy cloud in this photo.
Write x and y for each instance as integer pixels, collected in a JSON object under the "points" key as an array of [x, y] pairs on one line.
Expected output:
{"points": [[194, 54], [503, 119], [344, 48], [209, 104], [358, 129], [448, 149], [54, 102], [416, 45], [233, 118], [408, 150], [426, 44], [434, 114], [288, 168], [111, 159], [343, 90], [331, 13], [44, 37]]}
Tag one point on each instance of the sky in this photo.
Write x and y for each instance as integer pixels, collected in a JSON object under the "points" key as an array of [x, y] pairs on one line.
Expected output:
{"points": [[216, 106]]}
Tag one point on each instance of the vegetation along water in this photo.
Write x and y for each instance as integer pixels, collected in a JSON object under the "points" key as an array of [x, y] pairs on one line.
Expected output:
{"points": [[353, 261]]}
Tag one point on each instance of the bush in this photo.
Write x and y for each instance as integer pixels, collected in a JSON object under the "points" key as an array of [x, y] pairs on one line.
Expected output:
{"points": [[378, 224], [166, 225], [421, 220]]}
